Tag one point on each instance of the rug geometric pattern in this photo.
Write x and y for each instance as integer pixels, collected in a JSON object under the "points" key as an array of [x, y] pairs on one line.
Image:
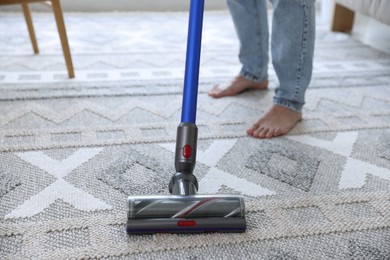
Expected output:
{"points": [[72, 151]]}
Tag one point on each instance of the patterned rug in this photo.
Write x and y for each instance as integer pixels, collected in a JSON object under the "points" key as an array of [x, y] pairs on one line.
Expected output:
{"points": [[72, 151]]}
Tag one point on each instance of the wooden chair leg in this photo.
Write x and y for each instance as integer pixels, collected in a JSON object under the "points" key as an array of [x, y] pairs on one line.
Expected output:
{"points": [[30, 27], [342, 19], [63, 37]]}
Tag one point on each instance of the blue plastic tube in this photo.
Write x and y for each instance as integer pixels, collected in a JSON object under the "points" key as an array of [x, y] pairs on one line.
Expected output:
{"points": [[191, 78]]}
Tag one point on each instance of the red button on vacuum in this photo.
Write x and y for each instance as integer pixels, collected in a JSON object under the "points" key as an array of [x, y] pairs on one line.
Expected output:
{"points": [[187, 151], [186, 223]]}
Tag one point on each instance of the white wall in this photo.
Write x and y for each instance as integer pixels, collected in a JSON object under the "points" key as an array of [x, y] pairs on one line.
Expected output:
{"points": [[124, 5]]}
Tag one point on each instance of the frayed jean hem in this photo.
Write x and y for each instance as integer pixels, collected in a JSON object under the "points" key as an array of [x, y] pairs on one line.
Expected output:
{"points": [[292, 105], [249, 76]]}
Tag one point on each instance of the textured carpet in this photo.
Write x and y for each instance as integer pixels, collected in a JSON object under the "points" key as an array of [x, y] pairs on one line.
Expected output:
{"points": [[71, 151]]}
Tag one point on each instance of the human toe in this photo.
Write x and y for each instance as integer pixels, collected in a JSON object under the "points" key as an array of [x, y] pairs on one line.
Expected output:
{"points": [[270, 133], [216, 92], [258, 132], [264, 133], [252, 129]]}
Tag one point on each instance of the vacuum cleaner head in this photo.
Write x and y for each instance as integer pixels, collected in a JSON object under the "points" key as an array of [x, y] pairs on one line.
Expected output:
{"points": [[186, 214]]}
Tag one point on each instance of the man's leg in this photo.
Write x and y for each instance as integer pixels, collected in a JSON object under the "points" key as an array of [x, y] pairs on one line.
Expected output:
{"points": [[293, 34], [250, 21]]}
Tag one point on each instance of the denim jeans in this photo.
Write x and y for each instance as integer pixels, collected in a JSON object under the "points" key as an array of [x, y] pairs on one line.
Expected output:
{"points": [[292, 45]]}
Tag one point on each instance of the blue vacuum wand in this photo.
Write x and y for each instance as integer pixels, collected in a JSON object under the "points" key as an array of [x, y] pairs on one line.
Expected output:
{"points": [[184, 211], [191, 77]]}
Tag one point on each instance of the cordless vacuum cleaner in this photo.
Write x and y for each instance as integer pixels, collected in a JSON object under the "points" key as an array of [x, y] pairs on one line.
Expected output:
{"points": [[184, 211]]}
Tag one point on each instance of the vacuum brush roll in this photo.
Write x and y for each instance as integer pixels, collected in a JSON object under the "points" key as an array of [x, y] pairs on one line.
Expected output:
{"points": [[186, 214]]}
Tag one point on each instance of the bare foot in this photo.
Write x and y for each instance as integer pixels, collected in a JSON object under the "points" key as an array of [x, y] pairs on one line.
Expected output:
{"points": [[275, 122], [236, 86]]}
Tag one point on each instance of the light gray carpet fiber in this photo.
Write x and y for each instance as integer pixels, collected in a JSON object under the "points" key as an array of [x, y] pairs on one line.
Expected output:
{"points": [[72, 151]]}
